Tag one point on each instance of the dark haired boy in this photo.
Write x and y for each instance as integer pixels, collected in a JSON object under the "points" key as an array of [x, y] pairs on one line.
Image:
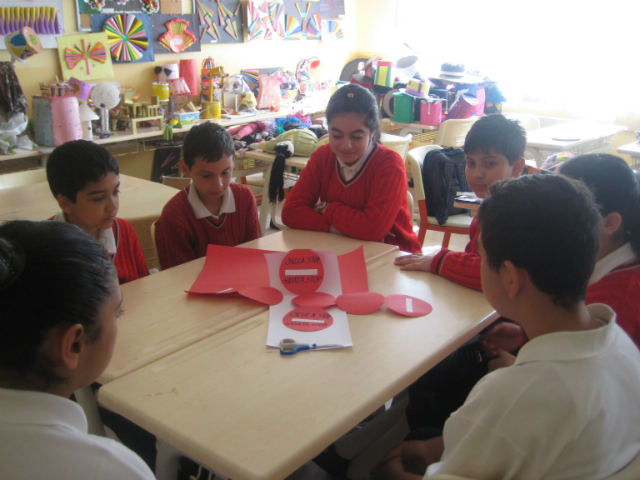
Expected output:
{"points": [[565, 409], [212, 210], [494, 148], [85, 180]]}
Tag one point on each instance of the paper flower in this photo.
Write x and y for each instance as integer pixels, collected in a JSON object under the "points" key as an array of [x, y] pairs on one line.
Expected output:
{"points": [[177, 38]]}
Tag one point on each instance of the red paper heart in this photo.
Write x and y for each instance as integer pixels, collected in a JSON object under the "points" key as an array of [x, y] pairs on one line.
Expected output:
{"points": [[408, 306], [361, 303]]}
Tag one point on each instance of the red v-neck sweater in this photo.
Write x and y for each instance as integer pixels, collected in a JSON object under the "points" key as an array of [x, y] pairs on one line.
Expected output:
{"points": [[129, 259], [370, 206], [461, 267], [181, 237]]}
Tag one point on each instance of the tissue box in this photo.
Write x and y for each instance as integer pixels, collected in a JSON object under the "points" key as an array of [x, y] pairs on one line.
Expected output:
{"points": [[187, 117]]}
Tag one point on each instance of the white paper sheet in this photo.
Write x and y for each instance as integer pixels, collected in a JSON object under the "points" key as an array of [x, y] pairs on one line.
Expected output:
{"points": [[338, 333]]}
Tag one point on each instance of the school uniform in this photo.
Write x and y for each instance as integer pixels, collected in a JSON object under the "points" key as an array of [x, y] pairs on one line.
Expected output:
{"points": [[186, 227], [462, 268], [367, 200], [565, 410], [122, 244], [44, 436]]}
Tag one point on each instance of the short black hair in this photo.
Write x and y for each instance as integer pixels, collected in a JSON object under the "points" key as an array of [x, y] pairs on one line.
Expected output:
{"points": [[353, 98], [72, 165], [209, 141], [52, 275], [498, 133], [615, 186], [547, 225]]}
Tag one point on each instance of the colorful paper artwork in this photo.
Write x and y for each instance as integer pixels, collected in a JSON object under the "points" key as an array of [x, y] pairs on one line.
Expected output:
{"points": [[333, 29], [312, 27], [250, 76], [220, 21], [117, 6], [292, 27], [85, 56], [332, 8], [44, 20], [127, 38], [178, 38], [268, 92]]}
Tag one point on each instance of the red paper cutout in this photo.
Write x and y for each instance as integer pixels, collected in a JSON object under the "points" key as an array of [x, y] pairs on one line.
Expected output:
{"points": [[316, 299], [308, 319], [408, 306], [353, 271], [360, 303], [301, 271], [268, 295]]}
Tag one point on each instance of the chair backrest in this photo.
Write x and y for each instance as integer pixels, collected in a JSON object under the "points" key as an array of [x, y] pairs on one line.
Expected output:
{"points": [[153, 244], [415, 158], [19, 179], [176, 182], [396, 143], [529, 121], [410, 202], [452, 133]]}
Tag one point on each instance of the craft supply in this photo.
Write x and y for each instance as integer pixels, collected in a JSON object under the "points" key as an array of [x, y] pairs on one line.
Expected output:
{"points": [[288, 346], [127, 37], [384, 74], [292, 28], [23, 43], [189, 72], [333, 29]]}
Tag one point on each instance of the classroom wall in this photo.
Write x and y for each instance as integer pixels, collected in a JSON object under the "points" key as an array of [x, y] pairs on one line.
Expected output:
{"points": [[233, 57]]}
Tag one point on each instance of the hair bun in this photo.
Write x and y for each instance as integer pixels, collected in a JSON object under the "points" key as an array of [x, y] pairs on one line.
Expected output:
{"points": [[12, 263]]}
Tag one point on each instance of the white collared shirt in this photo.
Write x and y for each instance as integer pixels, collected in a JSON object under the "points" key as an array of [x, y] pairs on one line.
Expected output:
{"points": [[44, 437], [228, 204], [106, 237], [622, 255], [350, 171]]}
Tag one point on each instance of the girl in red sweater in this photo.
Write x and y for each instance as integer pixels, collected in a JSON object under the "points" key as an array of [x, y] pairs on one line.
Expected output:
{"points": [[353, 186]]}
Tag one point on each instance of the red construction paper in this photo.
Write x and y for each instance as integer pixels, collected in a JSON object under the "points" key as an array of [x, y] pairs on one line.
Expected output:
{"points": [[301, 271], [408, 306], [231, 267], [306, 319], [316, 299], [353, 272], [268, 295], [361, 303]]}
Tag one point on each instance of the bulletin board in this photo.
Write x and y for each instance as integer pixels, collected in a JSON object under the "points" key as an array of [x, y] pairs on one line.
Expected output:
{"points": [[220, 21], [283, 19], [44, 16], [139, 49]]}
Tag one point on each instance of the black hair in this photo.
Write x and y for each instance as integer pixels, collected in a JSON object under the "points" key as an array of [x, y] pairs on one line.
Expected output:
{"points": [[72, 165], [615, 186], [498, 133], [209, 141], [547, 225], [52, 275], [353, 98]]}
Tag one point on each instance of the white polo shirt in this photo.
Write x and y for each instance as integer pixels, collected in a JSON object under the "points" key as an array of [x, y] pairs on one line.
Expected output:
{"points": [[200, 211], [107, 239], [44, 437], [622, 255], [350, 171], [567, 409]]}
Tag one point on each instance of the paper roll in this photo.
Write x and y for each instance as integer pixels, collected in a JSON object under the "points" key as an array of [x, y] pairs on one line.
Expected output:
{"points": [[23, 43], [189, 71]]}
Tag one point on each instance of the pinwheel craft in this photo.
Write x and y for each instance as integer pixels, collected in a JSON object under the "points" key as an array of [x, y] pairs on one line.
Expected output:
{"points": [[127, 37]]}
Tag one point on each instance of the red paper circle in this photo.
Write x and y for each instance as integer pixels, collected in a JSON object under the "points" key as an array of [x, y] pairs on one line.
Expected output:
{"points": [[408, 306], [360, 303], [268, 295], [301, 271], [315, 300], [306, 319]]}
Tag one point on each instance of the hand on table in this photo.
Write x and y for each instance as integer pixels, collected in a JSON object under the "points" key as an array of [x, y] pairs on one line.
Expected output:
{"points": [[504, 359], [415, 261], [409, 460], [502, 336], [321, 206]]}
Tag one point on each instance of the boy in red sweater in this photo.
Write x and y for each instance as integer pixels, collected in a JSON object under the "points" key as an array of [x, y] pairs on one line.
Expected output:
{"points": [[353, 186], [210, 210], [85, 180], [494, 148]]}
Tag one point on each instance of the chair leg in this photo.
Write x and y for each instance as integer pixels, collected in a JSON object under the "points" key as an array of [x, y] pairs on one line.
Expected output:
{"points": [[445, 240]]}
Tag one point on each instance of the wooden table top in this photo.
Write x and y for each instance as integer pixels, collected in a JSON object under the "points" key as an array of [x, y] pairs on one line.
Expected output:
{"points": [[161, 318], [251, 414], [565, 136], [631, 149]]}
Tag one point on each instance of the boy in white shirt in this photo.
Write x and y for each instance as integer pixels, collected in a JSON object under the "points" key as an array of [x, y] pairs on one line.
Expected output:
{"points": [[565, 409]]}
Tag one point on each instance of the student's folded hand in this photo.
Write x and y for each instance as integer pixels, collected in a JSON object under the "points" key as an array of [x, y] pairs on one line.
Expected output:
{"points": [[415, 261], [504, 359], [502, 336], [409, 460]]}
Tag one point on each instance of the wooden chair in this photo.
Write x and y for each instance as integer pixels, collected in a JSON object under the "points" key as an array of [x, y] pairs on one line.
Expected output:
{"points": [[176, 182], [396, 143], [452, 133], [19, 179], [458, 224]]}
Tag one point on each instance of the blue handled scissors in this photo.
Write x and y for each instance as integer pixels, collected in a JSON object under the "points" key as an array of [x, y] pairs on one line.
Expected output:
{"points": [[288, 346]]}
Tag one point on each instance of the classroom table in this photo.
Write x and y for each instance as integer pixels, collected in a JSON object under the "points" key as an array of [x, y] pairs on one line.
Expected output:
{"points": [[251, 414], [633, 150], [266, 207], [575, 137], [141, 203], [162, 319]]}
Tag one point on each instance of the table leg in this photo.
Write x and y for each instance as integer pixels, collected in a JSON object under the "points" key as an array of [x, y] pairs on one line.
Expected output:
{"points": [[264, 206]]}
